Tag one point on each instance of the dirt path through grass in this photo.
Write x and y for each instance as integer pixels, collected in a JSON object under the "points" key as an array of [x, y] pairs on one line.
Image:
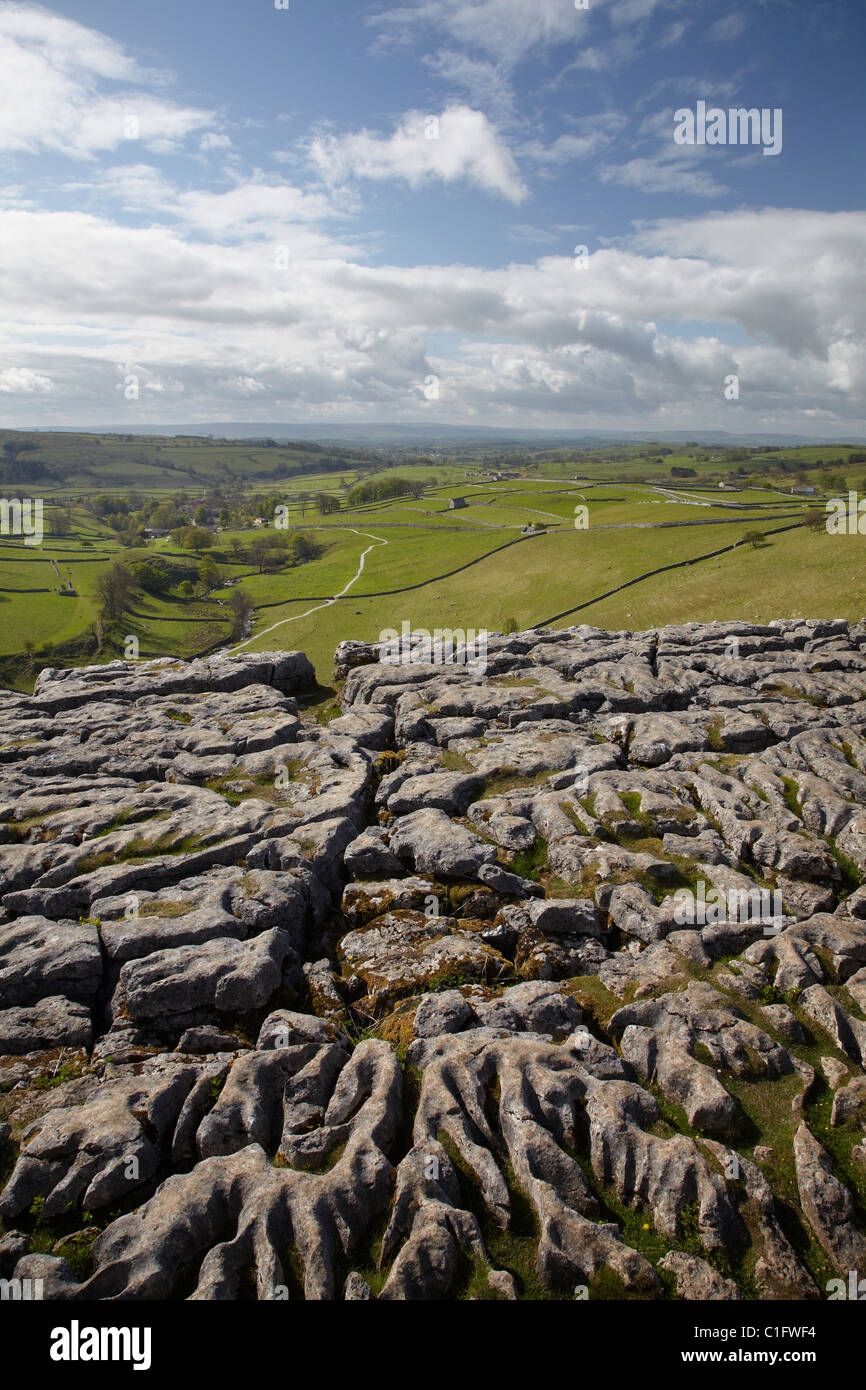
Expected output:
{"points": [[380, 540]]}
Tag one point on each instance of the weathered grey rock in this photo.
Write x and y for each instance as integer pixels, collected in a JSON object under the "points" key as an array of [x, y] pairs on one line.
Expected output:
{"points": [[566, 916], [696, 1279], [445, 1012], [356, 1289], [511, 885], [428, 1229], [95, 1154], [232, 1214], [13, 1246], [847, 1032], [58, 690], [642, 972], [539, 957], [833, 1070], [511, 832], [368, 856], [224, 975], [430, 843], [827, 1204], [783, 1021], [536, 1006], [401, 952], [778, 1273], [39, 958], [208, 829], [286, 1028], [445, 791], [366, 728], [361, 902], [206, 1040], [849, 1102], [660, 1038], [53, 1022], [268, 1092]]}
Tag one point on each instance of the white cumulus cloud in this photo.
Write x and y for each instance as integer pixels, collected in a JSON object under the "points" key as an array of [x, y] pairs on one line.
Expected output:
{"points": [[460, 144], [21, 381], [58, 90]]}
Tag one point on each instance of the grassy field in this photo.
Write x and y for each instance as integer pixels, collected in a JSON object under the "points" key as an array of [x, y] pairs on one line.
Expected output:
{"points": [[414, 544], [548, 573], [796, 575], [86, 463]]}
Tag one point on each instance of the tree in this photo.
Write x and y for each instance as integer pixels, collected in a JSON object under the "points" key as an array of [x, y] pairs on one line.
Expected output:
{"points": [[303, 547], [381, 490], [13, 447], [266, 552], [815, 519], [754, 539], [152, 575], [197, 538], [60, 521], [202, 516], [165, 517], [209, 574], [327, 503], [241, 606], [112, 591], [186, 588]]}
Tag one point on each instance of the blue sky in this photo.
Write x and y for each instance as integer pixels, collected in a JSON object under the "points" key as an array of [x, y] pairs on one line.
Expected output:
{"points": [[223, 210]]}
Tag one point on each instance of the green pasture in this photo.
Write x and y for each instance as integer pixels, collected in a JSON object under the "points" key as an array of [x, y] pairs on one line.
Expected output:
{"points": [[416, 541], [799, 574], [527, 583]]}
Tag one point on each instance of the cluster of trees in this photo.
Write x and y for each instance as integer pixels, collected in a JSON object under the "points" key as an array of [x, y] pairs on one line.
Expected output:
{"points": [[131, 516], [191, 522], [113, 589], [122, 514], [268, 550], [13, 447], [14, 467], [273, 549], [152, 575], [383, 489], [193, 538]]}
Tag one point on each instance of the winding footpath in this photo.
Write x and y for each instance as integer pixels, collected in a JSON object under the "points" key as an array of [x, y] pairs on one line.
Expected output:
{"points": [[380, 540]]}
